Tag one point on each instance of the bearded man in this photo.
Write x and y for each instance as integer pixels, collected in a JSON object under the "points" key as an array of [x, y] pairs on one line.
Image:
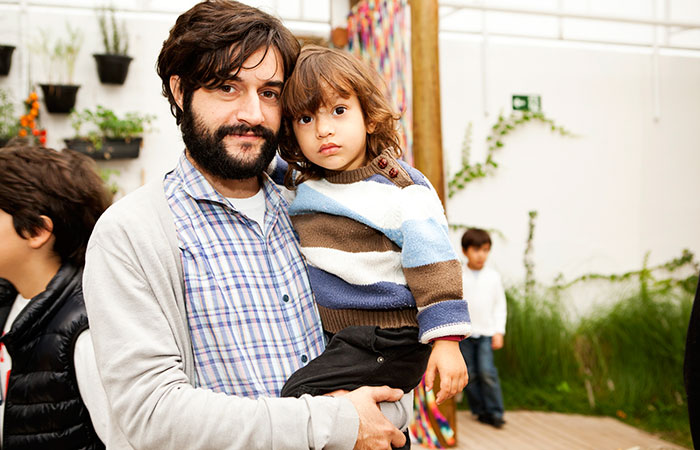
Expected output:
{"points": [[196, 291]]}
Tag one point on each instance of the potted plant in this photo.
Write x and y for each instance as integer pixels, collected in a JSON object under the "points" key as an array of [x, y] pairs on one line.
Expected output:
{"points": [[113, 64], [59, 95], [109, 136], [8, 122], [6, 58]]}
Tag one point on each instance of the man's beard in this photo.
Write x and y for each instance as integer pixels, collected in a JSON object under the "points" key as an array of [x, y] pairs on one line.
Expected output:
{"points": [[209, 151]]}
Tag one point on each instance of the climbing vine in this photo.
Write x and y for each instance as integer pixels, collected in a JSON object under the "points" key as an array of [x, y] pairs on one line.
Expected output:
{"points": [[502, 127], [528, 261], [645, 275]]}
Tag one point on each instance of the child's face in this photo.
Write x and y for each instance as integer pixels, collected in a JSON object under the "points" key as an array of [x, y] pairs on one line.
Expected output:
{"points": [[334, 136], [477, 256], [13, 248]]}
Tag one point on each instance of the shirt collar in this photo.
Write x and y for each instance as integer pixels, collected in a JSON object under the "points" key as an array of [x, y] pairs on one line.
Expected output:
{"points": [[196, 186]]}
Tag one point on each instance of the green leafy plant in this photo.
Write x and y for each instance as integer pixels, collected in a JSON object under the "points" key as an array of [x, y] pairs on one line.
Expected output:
{"points": [[115, 37], [9, 125], [103, 123], [60, 55], [503, 127]]}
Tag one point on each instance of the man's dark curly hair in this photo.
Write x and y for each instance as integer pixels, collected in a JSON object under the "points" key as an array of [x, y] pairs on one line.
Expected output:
{"points": [[209, 44]]}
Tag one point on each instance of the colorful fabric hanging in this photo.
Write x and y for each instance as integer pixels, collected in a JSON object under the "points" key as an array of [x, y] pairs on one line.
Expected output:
{"points": [[424, 407], [378, 33]]}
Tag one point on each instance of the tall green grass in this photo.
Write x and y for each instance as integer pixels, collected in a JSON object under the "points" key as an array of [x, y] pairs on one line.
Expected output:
{"points": [[625, 360]]}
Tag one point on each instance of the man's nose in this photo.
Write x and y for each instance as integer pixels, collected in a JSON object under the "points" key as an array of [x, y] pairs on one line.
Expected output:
{"points": [[249, 110]]}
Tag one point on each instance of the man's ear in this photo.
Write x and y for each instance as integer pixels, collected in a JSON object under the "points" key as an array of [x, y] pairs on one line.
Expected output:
{"points": [[175, 89], [42, 235]]}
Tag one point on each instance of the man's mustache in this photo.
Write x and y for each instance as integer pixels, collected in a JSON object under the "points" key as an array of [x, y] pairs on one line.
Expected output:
{"points": [[241, 129]]}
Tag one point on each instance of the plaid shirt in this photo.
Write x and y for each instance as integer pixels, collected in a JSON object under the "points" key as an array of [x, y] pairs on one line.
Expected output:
{"points": [[250, 309]]}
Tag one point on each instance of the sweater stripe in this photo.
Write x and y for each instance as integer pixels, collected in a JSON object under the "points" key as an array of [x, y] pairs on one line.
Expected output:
{"points": [[368, 267], [332, 292], [340, 233], [435, 282], [335, 320]]}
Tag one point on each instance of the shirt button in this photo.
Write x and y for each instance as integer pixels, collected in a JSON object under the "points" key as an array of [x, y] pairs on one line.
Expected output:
{"points": [[285, 298], [382, 163], [380, 359], [304, 358], [393, 172]]}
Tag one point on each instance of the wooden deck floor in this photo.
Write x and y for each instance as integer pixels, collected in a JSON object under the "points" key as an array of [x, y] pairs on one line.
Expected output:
{"points": [[531, 430]]}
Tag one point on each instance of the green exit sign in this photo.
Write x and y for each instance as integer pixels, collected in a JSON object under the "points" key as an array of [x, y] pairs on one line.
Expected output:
{"points": [[527, 103]]}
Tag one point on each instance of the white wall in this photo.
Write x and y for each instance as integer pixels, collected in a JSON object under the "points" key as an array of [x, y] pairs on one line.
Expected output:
{"points": [[625, 186]]}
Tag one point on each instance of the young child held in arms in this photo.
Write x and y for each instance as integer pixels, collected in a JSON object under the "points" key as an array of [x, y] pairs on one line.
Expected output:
{"points": [[487, 305], [372, 229]]}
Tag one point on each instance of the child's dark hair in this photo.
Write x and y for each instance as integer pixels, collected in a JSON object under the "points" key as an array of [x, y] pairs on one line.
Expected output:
{"points": [[63, 186], [321, 73], [475, 237]]}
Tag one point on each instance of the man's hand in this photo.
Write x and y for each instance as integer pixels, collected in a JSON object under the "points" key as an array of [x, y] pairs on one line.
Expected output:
{"points": [[446, 360], [497, 342], [375, 433]]}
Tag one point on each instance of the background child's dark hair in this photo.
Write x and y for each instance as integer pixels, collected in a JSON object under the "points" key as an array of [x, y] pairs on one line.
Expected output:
{"points": [[63, 186], [475, 237], [321, 73]]}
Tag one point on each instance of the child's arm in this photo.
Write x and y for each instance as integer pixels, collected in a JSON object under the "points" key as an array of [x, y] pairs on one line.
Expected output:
{"points": [[447, 361]]}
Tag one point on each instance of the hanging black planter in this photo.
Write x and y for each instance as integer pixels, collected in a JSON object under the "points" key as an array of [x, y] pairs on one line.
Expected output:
{"points": [[112, 69], [59, 98], [5, 58], [110, 148]]}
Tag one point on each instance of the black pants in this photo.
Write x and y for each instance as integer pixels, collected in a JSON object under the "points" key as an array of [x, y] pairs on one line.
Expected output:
{"points": [[363, 356]]}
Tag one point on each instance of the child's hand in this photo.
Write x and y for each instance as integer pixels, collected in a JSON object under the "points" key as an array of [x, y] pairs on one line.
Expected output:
{"points": [[447, 360], [497, 341]]}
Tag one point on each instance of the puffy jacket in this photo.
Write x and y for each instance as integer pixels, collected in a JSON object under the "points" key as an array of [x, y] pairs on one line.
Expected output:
{"points": [[43, 408]]}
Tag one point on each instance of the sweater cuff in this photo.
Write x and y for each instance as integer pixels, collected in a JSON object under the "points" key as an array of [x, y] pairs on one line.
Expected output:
{"points": [[445, 318], [346, 427], [448, 338]]}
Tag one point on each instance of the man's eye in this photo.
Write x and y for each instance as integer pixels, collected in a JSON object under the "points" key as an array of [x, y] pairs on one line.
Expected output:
{"points": [[270, 94], [303, 120], [339, 110], [226, 89]]}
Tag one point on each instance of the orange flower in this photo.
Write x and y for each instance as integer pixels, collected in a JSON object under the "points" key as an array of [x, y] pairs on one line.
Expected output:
{"points": [[35, 105], [23, 121], [35, 132], [22, 132], [32, 124], [42, 140], [33, 97]]}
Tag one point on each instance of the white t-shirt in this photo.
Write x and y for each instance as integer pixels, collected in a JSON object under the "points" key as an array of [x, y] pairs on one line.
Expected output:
{"points": [[487, 301], [5, 360], [252, 207]]}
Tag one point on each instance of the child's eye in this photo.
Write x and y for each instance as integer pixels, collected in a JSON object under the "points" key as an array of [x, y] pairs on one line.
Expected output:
{"points": [[303, 120], [339, 110]]}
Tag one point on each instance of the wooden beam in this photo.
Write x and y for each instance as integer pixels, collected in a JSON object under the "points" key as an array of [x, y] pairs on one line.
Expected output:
{"points": [[427, 129]]}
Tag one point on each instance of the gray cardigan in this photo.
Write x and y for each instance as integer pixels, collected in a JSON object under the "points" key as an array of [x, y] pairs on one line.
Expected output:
{"points": [[134, 293]]}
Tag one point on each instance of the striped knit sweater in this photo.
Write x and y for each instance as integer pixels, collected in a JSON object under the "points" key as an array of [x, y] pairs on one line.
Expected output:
{"points": [[376, 243]]}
